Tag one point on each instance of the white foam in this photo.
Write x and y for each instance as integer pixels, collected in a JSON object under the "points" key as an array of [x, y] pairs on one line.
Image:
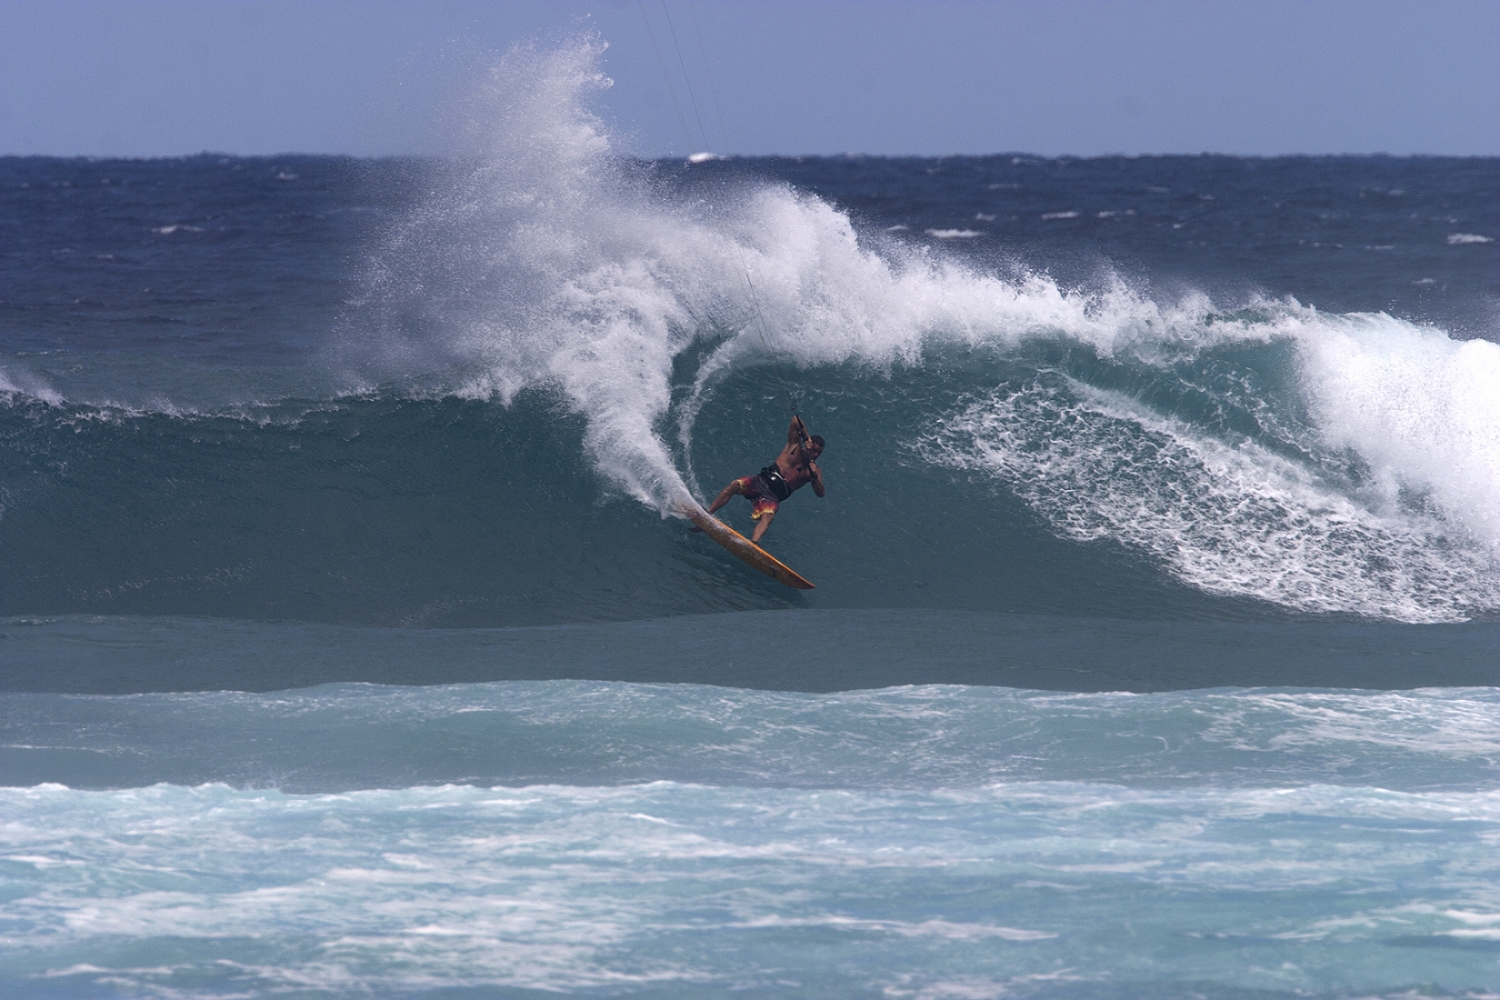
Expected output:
{"points": [[24, 386], [1420, 407], [953, 234], [1459, 239], [1230, 519], [949, 930], [1429, 723], [545, 264], [550, 263], [320, 893]]}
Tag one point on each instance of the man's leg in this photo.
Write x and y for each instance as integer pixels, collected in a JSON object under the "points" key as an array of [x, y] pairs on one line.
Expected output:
{"points": [[761, 524], [732, 490]]}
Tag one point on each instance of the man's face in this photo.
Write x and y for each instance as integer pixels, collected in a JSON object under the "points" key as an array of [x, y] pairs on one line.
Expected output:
{"points": [[813, 451]]}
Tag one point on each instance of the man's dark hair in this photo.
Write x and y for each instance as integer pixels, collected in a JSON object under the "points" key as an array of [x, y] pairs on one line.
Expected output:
{"points": [[817, 439]]}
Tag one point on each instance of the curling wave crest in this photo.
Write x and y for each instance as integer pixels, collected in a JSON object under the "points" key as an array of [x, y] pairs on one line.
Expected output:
{"points": [[1383, 504]]}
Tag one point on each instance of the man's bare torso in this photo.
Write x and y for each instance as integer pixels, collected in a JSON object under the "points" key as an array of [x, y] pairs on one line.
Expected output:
{"points": [[795, 465]]}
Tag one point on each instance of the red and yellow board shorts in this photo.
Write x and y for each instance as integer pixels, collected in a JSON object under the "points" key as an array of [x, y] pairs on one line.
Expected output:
{"points": [[761, 500]]}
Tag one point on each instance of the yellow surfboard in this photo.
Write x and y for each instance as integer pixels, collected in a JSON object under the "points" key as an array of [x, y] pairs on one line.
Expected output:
{"points": [[744, 548]]}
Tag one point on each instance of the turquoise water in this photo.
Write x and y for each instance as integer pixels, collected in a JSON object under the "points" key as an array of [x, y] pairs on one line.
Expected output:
{"points": [[672, 840]]}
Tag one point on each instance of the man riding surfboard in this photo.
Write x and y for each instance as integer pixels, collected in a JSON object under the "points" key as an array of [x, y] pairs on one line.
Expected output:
{"points": [[794, 468]]}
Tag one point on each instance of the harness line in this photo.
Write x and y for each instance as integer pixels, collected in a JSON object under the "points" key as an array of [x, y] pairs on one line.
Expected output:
{"points": [[760, 320]]}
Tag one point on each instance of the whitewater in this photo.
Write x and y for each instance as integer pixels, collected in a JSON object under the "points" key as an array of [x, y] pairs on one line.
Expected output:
{"points": [[351, 643]]}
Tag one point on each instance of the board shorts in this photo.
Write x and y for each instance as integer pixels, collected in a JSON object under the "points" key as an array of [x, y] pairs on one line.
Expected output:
{"points": [[762, 500]]}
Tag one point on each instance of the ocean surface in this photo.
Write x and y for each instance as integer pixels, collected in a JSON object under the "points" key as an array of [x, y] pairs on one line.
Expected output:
{"points": [[351, 644]]}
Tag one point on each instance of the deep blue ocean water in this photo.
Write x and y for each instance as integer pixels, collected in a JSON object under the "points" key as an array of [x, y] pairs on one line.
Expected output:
{"points": [[350, 647]]}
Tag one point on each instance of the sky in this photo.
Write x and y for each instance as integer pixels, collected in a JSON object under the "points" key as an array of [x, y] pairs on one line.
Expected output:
{"points": [[918, 77]]}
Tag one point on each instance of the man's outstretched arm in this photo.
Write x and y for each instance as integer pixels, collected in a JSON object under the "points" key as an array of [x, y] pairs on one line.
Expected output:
{"points": [[797, 432]]}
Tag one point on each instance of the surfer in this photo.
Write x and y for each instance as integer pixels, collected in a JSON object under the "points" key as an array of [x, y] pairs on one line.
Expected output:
{"points": [[794, 468]]}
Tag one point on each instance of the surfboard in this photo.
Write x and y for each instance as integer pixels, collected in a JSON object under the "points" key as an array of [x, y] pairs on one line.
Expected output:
{"points": [[750, 553]]}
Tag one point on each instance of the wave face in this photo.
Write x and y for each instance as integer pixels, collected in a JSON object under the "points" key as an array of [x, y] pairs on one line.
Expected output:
{"points": [[1032, 477]]}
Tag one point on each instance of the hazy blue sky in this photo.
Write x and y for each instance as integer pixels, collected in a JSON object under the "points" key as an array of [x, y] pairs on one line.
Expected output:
{"points": [[164, 77]]}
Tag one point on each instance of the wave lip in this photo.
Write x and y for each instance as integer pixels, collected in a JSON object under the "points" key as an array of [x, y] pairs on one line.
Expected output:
{"points": [[1422, 409], [1369, 484]]}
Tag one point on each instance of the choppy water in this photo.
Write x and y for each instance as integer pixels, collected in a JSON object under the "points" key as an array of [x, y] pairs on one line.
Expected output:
{"points": [[351, 647]]}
